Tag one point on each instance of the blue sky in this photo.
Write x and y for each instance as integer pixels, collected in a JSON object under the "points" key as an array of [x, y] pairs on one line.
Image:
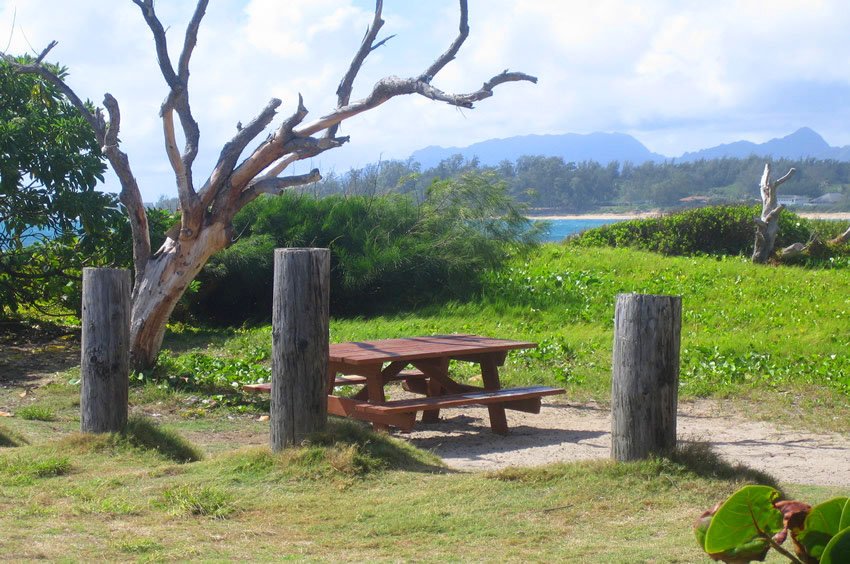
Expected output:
{"points": [[678, 75]]}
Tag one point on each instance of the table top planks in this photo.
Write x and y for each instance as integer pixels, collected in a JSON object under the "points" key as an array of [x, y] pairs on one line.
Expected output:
{"points": [[417, 348]]}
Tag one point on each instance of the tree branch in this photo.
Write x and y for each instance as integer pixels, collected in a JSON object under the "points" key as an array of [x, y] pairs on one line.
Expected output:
{"points": [[841, 239], [292, 141], [392, 86], [346, 85], [44, 52], [190, 41], [764, 185], [278, 184], [177, 100], [774, 213], [788, 175], [269, 151], [233, 149], [42, 71], [130, 194], [449, 55], [146, 6], [174, 157]]}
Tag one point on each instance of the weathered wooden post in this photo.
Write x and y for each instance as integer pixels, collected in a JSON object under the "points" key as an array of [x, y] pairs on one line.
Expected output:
{"points": [[299, 345], [644, 388], [105, 350]]}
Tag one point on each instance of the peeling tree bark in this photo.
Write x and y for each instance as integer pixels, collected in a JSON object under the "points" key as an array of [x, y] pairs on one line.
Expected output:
{"points": [[767, 226], [161, 278]]}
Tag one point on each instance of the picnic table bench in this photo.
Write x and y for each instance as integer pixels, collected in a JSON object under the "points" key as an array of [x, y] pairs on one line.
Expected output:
{"points": [[373, 364]]}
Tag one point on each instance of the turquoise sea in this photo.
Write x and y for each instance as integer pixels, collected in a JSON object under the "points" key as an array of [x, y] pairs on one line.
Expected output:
{"points": [[559, 229]]}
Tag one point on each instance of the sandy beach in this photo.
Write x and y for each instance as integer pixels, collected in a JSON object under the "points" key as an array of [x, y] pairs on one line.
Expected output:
{"points": [[604, 216], [841, 216]]}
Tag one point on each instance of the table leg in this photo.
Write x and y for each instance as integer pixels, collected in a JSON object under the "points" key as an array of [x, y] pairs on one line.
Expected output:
{"points": [[375, 388], [490, 375], [331, 377], [434, 389], [437, 371]]}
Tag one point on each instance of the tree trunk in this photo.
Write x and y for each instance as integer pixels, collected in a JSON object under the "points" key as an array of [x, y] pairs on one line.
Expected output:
{"points": [[645, 384], [767, 226], [104, 360], [299, 345], [164, 281], [766, 232]]}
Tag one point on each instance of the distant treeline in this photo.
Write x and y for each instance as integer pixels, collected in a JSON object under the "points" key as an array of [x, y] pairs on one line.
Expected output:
{"points": [[552, 183]]}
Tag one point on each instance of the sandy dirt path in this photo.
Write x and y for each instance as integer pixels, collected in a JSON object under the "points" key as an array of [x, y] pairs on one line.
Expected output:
{"points": [[568, 431]]}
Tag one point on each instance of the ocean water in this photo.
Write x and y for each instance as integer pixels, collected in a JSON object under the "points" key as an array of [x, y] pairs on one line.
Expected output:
{"points": [[559, 229]]}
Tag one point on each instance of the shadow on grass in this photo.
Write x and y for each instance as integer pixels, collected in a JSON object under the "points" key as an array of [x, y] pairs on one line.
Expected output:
{"points": [[179, 338], [140, 433], [144, 433], [346, 452], [371, 451], [701, 459], [11, 439]]}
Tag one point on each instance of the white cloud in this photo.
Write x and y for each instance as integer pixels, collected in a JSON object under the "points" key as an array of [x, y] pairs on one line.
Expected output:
{"points": [[678, 75]]}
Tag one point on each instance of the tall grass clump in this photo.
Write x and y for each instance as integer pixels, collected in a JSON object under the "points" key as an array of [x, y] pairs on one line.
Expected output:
{"points": [[389, 252], [198, 501], [26, 468], [36, 413]]}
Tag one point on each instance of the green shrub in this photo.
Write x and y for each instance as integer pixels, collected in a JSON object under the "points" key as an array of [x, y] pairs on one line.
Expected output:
{"points": [[388, 252], [717, 230]]}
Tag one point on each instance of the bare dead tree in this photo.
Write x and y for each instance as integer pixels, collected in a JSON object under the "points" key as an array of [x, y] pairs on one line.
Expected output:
{"points": [[767, 226], [207, 210]]}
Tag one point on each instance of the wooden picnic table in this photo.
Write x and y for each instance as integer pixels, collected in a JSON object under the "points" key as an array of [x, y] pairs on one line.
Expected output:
{"points": [[373, 364]]}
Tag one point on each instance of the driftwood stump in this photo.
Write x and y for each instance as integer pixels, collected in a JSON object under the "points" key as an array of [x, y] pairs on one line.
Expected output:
{"points": [[841, 239], [644, 388], [767, 226], [299, 345], [105, 350]]}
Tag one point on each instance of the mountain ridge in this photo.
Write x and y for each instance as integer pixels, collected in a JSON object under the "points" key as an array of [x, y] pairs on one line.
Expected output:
{"points": [[608, 147]]}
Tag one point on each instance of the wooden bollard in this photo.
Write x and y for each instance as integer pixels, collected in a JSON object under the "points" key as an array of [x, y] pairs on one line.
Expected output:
{"points": [[105, 350], [299, 345], [645, 382]]}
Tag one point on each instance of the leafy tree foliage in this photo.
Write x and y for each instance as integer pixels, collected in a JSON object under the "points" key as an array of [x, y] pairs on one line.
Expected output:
{"points": [[551, 182], [50, 214]]}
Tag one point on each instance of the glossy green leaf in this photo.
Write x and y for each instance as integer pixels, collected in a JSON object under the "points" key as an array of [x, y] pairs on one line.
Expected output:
{"points": [[837, 551], [845, 516], [822, 523], [743, 519]]}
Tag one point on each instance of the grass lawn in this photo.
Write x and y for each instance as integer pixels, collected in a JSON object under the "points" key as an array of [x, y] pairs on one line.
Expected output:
{"points": [[351, 495], [773, 339]]}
